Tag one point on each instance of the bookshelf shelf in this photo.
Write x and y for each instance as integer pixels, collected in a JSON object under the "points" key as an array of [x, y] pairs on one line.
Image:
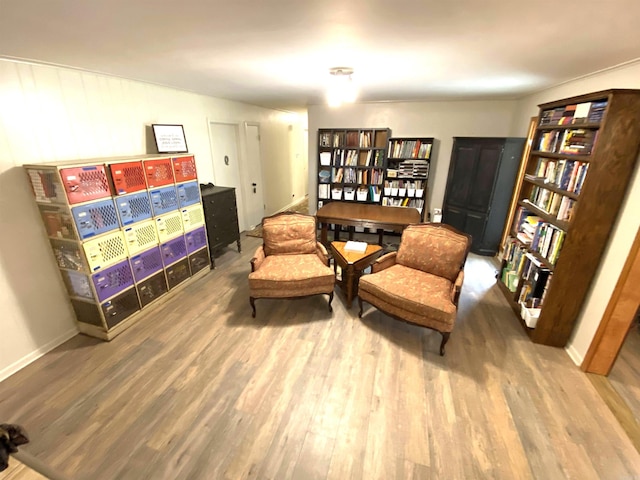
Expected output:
{"points": [[566, 206], [407, 173], [565, 126], [583, 158], [541, 182], [351, 164]]}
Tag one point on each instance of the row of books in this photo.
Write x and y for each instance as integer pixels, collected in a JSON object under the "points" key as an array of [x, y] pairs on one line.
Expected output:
{"points": [[547, 241], [537, 235], [353, 138], [403, 202], [569, 142], [409, 149], [354, 175], [553, 203], [352, 158], [416, 184], [514, 256], [526, 228], [566, 174], [535, 282], [586, 112]]}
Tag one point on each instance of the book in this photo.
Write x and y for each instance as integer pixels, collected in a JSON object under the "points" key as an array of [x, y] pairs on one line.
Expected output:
{"points": [[353, 246], [582, 112]]}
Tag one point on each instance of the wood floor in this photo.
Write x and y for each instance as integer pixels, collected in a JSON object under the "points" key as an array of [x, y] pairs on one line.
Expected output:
{"points": [[625, 374], [200, 390]]}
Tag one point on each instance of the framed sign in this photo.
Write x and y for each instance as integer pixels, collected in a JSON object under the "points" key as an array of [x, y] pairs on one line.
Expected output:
{"points": [[169, 138]]}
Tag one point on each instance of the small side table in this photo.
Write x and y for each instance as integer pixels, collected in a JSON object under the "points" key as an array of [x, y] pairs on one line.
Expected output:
{"points": [[352, 265]]}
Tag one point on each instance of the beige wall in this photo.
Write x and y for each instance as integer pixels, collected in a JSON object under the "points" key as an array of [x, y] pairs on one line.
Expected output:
{"points": [[50, 114], [629, 219], [441, 120]]}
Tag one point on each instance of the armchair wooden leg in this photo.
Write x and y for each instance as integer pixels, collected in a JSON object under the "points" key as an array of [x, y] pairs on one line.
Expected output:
{"points": [[330, 300], [252, 301], [360, 305], [445, 339]]}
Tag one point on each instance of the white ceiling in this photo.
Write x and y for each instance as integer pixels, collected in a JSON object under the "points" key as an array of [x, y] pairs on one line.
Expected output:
{"points": [[277, 53]]}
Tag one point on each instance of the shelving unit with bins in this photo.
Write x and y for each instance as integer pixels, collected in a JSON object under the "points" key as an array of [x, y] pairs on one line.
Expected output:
{"points": [[584, 151], [351, 164], [407, 173], [124, 232]]}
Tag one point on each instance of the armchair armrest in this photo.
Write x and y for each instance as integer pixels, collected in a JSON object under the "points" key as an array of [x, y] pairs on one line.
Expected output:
{"points": [[257, 259], [384, 261], [322, 253], [456, 287]]}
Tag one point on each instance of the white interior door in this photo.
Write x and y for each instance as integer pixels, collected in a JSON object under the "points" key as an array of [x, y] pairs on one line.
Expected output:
{"points": [[226, 163], [253, 191]]}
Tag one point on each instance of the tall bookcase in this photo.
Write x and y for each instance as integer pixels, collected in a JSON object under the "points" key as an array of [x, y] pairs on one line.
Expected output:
{"points": [[407, 173], [583, 153], [351, 164], [124, 233]]}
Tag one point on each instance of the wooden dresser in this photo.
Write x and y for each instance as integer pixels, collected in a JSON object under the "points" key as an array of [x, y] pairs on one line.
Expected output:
{"points": [[221, 217]]}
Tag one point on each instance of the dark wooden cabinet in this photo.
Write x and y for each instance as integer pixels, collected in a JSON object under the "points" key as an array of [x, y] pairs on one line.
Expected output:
{"points": [[480, 184], [221, 217]]}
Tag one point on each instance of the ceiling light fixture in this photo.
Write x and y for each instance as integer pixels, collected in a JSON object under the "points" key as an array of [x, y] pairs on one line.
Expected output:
{"points": [[341, 88]]}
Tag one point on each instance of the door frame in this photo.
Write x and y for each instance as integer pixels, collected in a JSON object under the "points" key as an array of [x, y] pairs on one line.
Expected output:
{"points": [[246, 193], [617, 318], [241, 166]]}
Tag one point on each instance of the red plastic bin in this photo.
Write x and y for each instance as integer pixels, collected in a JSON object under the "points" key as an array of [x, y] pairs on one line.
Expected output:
{"points": [[184, 168], [128, 177], [158, 172], [83, 184]]}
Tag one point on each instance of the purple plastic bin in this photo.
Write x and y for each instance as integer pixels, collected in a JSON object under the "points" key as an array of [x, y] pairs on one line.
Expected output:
{"points": [[196, 239], [173, 250], [113, 280], [146, 263]]}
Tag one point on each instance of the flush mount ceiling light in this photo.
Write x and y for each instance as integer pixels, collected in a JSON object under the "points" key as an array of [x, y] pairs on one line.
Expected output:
{"points": [[341, 88]]}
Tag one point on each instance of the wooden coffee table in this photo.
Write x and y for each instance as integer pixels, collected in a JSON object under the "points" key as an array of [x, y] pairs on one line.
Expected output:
{"points": [[352, 265]]}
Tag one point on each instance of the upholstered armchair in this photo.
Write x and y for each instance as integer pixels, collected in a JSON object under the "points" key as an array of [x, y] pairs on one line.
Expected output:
{"points": [[290, 262], [421, 282]]}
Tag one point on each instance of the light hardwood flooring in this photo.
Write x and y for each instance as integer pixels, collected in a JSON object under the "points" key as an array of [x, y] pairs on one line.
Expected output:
{"points": [[625, 374], [200, 390]]}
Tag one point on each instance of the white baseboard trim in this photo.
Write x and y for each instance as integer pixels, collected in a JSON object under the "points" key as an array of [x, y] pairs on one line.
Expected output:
{"points": [[36, 354], [291, 205], [574, 355]]}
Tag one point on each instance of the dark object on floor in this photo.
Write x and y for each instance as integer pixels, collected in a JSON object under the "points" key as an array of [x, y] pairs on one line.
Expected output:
{"points": [[11, 436]]}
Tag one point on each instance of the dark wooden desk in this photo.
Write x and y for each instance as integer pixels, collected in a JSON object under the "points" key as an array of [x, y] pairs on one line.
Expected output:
{"points": [[365, 215]]}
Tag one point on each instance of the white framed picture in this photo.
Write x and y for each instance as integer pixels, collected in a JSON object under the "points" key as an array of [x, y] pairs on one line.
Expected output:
{"points": [[169, 138]]}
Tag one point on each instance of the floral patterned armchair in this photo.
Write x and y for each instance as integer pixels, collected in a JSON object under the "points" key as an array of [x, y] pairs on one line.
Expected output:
{"points": [[421, 282], [291, 262]]}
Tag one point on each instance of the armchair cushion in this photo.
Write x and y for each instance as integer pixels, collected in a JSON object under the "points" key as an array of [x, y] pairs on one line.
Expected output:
{"points": [[411, 294], [281, 276], [441, 252], [289, 235]]}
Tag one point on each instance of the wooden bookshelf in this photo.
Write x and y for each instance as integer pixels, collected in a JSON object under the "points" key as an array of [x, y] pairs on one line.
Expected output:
{"points": [[575, 180], [407, 173], [351, 164]]}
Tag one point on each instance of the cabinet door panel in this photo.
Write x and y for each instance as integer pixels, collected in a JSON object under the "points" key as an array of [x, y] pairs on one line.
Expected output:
{"points": [[460, 178], [484, 178], [454, 217], [474, 226]]}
